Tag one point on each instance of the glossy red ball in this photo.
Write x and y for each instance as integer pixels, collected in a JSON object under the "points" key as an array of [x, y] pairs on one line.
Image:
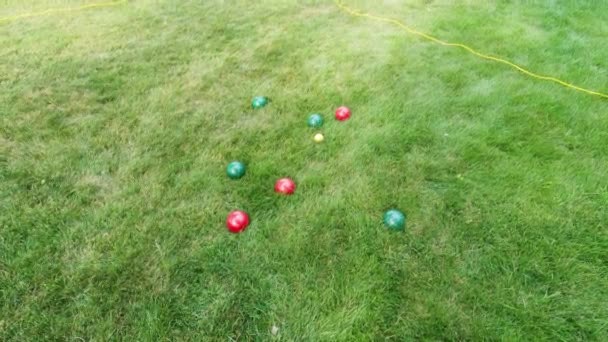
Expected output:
{"points": [[343, 113], [237, 221], [285, 186]]}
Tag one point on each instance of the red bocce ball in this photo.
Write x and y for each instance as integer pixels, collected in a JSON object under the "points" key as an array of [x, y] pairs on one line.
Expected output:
{"points": [[237, 221], [285, 186], [342, 113]]}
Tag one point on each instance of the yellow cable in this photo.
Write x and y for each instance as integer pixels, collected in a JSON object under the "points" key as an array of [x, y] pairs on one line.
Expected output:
{"points": [[61, 10], [467, 48]]}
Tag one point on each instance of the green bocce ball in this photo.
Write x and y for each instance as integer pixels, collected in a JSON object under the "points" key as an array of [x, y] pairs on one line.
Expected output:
{"points": [[259, 102], [394, 219], [315, 121], [235, 170]]}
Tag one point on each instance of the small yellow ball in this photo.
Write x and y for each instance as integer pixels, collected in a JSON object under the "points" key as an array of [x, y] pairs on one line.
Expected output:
{"points": [[319, 137]]}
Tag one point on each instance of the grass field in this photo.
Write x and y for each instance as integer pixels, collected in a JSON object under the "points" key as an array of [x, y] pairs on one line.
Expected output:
{"points": [[116, 125]]}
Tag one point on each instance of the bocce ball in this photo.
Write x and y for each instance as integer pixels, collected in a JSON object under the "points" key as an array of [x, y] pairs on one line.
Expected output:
{"points": [[235, 170], [259, 102], [237, 221], [394, 219], [315, 121], [343, 113], [285, 186]]}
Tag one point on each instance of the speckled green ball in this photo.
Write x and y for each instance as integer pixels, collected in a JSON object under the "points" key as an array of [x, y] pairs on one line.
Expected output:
{"points": [[259, 102], [235, 170], [315, 121], [394, 219]]}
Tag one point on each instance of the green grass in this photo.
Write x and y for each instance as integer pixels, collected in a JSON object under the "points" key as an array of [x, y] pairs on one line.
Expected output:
{"points": [[116, 125]]}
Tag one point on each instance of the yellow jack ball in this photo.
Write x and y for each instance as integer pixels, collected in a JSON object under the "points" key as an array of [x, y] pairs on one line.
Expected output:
{"points": [[319, 137]]}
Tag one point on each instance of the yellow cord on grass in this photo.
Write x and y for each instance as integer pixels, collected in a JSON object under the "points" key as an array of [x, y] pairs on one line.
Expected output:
{"points": [[61, 10], [467, 48]]}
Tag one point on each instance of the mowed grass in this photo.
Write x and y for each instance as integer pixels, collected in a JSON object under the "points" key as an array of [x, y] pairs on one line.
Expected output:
{"points": [[116, 125]]}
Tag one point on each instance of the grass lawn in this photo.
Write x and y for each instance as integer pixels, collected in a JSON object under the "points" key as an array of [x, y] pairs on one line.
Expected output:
{"points": [[116, 125]]}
